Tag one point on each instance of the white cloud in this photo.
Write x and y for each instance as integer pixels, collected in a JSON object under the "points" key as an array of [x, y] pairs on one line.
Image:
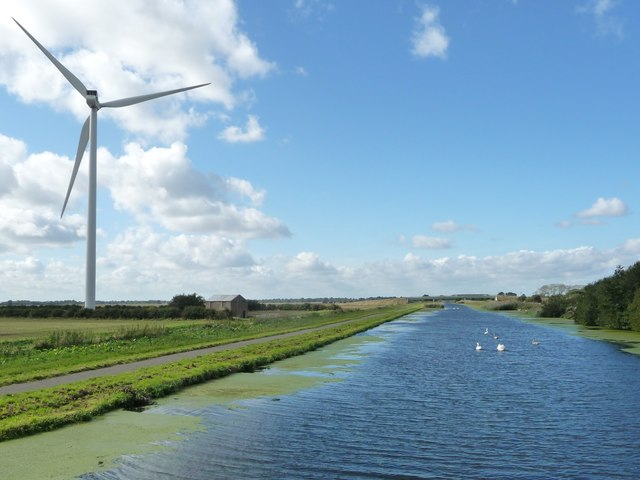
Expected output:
{"points": [[429, 37], [244, 188], [144, 264], [31, 198], [160, 185], [204, 221], [431, 243], [142, 248], [302, 71], [12, 151], [606, 22], [520, 271], [308, 263], [139, 263], [605, 207], [129, 48], [412, 260], [253, 132], [317, 9], [447, 226], [632, 246], [29, 278]]}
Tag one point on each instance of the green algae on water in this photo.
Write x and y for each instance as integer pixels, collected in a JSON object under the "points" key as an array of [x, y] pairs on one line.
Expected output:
{"points": [[627, 340], [88, 447], [283, 377]]}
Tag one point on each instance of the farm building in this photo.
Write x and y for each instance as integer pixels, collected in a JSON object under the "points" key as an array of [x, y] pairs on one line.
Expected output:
{"points": [[236, 304]]}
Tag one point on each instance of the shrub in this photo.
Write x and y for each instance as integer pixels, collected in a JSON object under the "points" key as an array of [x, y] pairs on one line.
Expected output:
{"points": [[65, 338], [138, 331], [506, 306], [183, 301], [555, 306], [193, 312]]}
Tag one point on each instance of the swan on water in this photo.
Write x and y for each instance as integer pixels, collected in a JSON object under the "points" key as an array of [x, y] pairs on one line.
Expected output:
{"points": [[478, 346], [501, 347], [486, 331], [535, 342]]}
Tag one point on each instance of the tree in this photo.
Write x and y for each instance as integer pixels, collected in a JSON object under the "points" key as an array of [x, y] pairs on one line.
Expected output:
{"points": [[611, 302], [183, 300], [633, 312], [255, 305], [587, 307], [554, 307], [613, 305]]}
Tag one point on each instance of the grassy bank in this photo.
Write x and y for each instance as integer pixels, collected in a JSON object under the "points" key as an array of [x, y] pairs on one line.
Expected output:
{"points": [[500, 306], [75, 346], [627, 340], [32, 412]]}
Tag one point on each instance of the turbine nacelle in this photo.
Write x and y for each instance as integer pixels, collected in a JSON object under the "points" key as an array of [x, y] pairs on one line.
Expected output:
{"points": [[92, 99]]}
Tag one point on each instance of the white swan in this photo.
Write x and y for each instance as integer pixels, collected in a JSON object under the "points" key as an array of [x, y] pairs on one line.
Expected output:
{"points": [[501, 347], [535, 342], [486, 331], [478, 346]]}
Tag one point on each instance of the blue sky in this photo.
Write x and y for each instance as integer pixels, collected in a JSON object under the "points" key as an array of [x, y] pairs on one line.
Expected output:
{"points": [[344, 148]]}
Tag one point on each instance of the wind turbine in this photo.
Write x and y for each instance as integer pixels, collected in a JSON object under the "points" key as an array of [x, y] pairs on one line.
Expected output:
{"points": [[89, 135]]}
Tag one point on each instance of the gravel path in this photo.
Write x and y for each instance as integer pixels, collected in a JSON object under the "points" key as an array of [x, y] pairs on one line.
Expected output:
{"points": [[129, 367]]}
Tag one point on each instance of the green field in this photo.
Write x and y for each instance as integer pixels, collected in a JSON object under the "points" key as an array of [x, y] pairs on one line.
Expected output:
{"points": [[56, 347], [15, 328]]}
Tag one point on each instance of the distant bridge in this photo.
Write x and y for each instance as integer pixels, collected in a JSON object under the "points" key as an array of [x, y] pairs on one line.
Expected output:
{"points": [[453, 298]]}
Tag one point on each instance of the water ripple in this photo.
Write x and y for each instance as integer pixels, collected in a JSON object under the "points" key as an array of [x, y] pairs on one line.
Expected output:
{"points": [[423, 404]]}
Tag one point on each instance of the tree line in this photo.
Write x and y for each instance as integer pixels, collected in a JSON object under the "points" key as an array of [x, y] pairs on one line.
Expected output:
{"points": [[190, 307], [255, 305], [187, 306], [112, 312], [612, 302]]}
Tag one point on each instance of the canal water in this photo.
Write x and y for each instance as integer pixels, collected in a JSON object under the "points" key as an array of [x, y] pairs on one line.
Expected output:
{"points": [[414, 399]]}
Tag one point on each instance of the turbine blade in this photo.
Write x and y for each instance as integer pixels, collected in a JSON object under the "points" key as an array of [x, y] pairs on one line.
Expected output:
{"points": [[82, 146], [125, 102], [73, 80]]}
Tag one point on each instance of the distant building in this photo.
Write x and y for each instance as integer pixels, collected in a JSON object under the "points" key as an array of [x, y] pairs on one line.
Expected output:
{"points": [[236, 304], [456, 297]]}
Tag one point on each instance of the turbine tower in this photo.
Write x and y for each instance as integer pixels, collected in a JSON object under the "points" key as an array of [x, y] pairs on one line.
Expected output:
{"points": [[89, 134]]}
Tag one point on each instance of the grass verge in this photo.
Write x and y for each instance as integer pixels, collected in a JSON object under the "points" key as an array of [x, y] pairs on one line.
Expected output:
{"points": [[32, 412]]}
